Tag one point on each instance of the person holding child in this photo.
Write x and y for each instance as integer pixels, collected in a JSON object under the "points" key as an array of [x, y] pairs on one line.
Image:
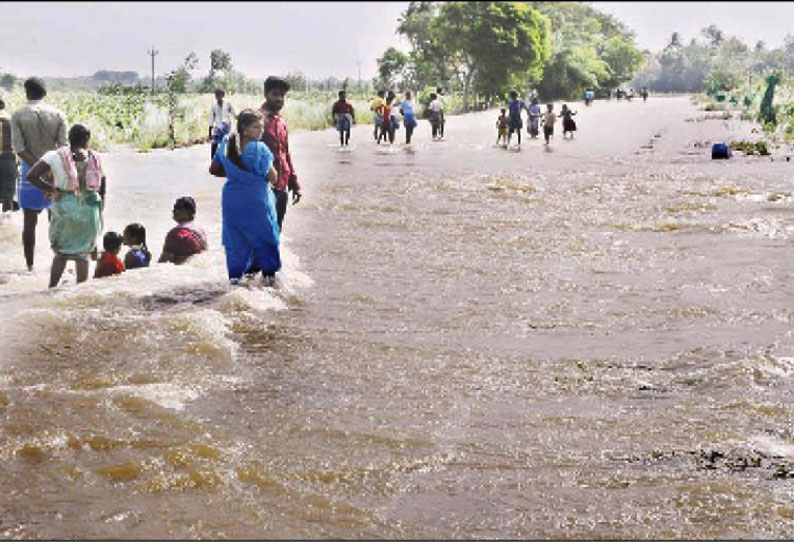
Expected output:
{"points": [[109, 263], [77, 192], [248, 206]]}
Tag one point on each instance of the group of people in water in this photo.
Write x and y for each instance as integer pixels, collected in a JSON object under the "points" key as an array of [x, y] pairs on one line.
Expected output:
{"points": [[54, 170], [510, 122], [57, 171]]}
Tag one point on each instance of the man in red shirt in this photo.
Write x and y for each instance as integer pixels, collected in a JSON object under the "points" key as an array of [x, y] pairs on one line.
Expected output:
{"points": [[275, 137]]}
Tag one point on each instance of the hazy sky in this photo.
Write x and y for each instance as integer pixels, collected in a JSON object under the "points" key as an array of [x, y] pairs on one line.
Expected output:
{"points": [[319, 39]]}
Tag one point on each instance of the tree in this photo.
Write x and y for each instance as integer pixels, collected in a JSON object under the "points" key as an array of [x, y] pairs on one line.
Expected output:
{"points": [[180, 78], [491, 41], [392, 67], [220, 61], [7, 81], [428, 59]]}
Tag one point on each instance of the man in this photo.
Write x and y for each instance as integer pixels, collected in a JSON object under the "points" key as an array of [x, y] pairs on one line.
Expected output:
{"points": [[276, 138], [344, 115], [442, 99], [8, 163], [35, 129], [221, 117], [376, 106]]}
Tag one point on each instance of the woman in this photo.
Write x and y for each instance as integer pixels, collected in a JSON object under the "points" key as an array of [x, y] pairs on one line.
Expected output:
{"points": [[248, 205], [77, 190]]}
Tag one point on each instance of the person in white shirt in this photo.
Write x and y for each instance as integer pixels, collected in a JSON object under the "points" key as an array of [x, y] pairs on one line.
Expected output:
{"points": [[221, 117], [443, 100], [436, 114]]}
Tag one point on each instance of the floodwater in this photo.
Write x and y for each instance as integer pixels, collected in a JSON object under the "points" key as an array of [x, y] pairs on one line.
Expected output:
{"points": [[591, 340]]}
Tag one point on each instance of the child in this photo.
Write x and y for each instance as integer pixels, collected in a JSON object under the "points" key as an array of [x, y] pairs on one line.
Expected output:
{"points": [[110, 264], [568, 124], [515, 124], [501, 123], [344, 116], [138, 256], [395, 117], [548, 122]]}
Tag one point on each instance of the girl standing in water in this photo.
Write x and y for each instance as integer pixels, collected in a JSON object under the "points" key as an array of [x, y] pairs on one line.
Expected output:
{"points": [[248, 206], [408, 110]]}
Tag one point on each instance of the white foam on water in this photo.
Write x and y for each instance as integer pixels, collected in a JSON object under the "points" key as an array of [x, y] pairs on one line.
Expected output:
{"points": [[165, 394], [772, 446]]}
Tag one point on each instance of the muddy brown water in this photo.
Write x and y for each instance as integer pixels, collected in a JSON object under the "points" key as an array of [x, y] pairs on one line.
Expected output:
{"points": [[592, 340]]}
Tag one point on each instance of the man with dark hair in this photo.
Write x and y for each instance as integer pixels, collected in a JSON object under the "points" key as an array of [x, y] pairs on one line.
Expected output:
{"points": [[35, 129], [276, 138], [221, 118]]}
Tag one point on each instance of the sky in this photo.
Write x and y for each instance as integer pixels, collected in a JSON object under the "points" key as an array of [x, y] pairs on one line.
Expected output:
{"points": [[319, 39]]}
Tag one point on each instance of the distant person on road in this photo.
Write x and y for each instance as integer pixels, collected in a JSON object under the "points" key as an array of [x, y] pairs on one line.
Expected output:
{"points": [[443, 122], [533, 124], [9, 173], [221, 118], [408, 110], [548, 122], [186, 238], [501, 125], [515, 124], [644, 94], [589, 95], [386, 127], [276, 138], [344, 117], [36, 128], [436, 115], [375, 106], [77, 191], [568, 124]]}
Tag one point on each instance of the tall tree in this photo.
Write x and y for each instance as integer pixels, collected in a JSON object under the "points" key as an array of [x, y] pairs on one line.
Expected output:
{"points": [[493, 40]]}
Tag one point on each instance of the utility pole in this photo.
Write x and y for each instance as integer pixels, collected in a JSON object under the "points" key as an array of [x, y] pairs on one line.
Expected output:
{"points": [[358, 63], [152, 53]]}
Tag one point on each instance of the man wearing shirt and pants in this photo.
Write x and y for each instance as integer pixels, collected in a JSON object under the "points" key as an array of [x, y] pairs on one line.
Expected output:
{"points": [[276, 138], [221, 118]]}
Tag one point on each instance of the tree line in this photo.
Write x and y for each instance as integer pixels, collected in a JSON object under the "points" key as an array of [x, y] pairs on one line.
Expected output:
{"points": [[485, 48], [715, 62]]}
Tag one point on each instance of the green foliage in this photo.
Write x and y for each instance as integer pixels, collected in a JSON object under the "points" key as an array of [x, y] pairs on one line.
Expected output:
{"points": [[392, 67], [8, 81]]}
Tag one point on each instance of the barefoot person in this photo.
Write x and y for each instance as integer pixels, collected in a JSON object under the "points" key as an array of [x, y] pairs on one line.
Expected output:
{"points": [[248, 207], [36, 128], [276, 138], [77, 192], [344, 117], [8, 163], [408, 110]]}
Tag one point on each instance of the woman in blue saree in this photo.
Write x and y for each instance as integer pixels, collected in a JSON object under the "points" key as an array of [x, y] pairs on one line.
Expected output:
{"points": [[248, 206]]}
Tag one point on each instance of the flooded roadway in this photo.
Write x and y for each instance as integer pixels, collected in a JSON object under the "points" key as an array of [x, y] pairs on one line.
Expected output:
{"points": [[592, 340]]}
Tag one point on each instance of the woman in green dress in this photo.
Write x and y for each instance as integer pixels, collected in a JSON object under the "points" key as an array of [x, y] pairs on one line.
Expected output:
{"points": [[76, 184]]}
